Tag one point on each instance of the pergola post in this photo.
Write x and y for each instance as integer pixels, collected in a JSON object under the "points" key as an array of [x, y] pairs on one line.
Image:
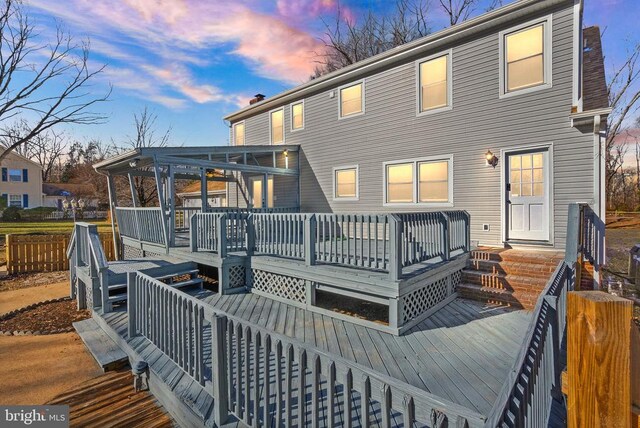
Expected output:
{"points": [[203, 189], [161, 202], [171, 184], [265, 191], [111, 188], [134, 195]]}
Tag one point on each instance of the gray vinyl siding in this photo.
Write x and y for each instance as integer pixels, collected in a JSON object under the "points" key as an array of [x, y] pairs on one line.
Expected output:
{"points": [[479, 120]]}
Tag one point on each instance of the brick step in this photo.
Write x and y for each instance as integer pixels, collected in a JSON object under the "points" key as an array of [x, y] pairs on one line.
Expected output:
{"points": [[539, 258], [517, 299], [513, 268], [504, 282]]}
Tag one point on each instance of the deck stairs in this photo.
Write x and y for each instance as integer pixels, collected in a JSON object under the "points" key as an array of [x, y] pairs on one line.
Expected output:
{"points": [[104, 350], [507, 277], [177, 275]]}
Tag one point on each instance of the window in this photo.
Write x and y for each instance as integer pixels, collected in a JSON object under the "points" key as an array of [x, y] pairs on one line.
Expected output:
{"points": [[345, 183], [277, 126], [256, 189], [297, 116], [15, 201], [351, 100], [433, 181], [527, 174], [400, 183], [15, 175], [238, 134], [421, 181], [526, 58], [434, 83]]}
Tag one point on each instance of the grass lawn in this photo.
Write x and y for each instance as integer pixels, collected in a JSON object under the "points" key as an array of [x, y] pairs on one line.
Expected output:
{"points": [[54, 226]]}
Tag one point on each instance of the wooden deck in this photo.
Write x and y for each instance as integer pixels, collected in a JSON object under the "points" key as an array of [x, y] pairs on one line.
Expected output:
{"points": [[109, 401], [461, 353]]}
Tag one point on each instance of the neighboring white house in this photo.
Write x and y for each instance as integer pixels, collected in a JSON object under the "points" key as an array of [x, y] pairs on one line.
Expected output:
{"points": [[216, 194], [55, 193], [21, 181]]}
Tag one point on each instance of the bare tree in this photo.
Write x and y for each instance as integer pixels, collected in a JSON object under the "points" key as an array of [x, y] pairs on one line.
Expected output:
{"points": [[43, 85], [47, 149], [458, 10], [146, 135], [347, 42]]}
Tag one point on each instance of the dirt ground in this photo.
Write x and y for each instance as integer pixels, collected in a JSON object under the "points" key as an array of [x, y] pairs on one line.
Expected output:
{"points": [[16, 299], [19, 281]]}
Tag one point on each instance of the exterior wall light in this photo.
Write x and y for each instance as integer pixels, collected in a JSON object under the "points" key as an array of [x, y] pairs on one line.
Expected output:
{"points": [[492, 159], [133, 163]]}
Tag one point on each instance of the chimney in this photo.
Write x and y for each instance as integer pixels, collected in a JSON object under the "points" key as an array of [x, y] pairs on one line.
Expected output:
{"points": [[256, 99]]}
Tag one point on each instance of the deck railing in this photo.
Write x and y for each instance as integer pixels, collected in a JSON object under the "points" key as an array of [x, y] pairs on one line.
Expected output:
{"points": [[272, 210], [279, 234], [264, 378], [142, 224]]}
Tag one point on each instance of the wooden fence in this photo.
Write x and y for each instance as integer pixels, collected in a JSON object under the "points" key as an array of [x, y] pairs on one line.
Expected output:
{"points": [[44, 253]]}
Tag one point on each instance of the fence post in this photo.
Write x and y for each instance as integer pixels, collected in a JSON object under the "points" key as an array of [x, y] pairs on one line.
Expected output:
{"points": [[310, 225], [132, 303], [395, 247], [221, 232], [598, 359], [218, 369], [251, 235], [446, 238], [193, 233]]}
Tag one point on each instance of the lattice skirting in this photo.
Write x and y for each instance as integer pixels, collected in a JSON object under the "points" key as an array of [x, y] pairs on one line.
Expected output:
{"points": [[283, 286], [130, 252], [417, 302], [236, 276]]}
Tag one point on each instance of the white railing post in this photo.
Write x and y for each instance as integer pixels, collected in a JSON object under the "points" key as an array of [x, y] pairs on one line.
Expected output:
{"points": [[446, 238], [221, 231], [251, 234], [193, 232], [310, 240], [395, 247], [218, 370], [132, 303]]}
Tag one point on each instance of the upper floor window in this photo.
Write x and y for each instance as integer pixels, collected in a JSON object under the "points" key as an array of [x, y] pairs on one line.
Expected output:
{"points": [[422, 181], [526, 58], [277, 126], [297, 116], [352, 100], [345, 183], [434, 83], [15, 175], [238, 134]]}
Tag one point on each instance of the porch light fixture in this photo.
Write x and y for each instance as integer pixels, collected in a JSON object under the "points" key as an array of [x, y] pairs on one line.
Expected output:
{"points": [[492, 159], [133, 163], [286, 153]]}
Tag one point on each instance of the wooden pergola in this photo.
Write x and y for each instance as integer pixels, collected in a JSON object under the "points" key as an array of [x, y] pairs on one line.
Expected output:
{"points": [[207, 163]]}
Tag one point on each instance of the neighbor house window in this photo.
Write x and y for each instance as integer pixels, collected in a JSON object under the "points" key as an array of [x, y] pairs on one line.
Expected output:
{"points": [[15, 201], [345, 183], [422, 181], [526, 57], [351, 100], [15, 175], [277, 126], [297, 116], [435, 83], [238, 134]]}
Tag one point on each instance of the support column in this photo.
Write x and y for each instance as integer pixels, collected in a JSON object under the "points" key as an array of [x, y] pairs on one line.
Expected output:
{"points": [[161, 202], [112, 211], [171, 184], [203, 189], [134, 195]]}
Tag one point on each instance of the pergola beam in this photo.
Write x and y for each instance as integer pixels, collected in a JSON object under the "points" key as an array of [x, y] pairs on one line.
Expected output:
{"points": [[171, 160]]}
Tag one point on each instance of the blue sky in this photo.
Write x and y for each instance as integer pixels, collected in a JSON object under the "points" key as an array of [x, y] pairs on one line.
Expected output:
{"points": [[193, 61]]}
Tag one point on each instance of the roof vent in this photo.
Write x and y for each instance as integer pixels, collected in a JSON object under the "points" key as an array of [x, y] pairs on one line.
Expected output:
{"points": [[256, 99]]}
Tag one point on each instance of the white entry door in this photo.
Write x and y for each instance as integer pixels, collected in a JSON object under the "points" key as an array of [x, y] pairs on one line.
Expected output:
{"points": [[528, 195], [257, 186]]}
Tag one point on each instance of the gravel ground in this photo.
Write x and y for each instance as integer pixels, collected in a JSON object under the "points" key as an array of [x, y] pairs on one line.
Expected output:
{"points": [[46, 318]]}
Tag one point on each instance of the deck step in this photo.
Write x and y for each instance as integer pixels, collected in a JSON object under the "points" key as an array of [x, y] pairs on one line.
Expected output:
{"points": [[187, 283], [520, 268], [104, 350], [516, 299], [502, 281], [191, 272]]}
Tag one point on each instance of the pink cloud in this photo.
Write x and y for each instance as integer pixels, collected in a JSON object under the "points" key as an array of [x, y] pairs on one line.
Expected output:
{"points": [[313, 8]]}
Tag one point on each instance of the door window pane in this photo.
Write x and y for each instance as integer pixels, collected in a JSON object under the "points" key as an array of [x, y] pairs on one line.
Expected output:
{"points": [[433, 83], [351, 100], [346, 183], [525, 58], [400, 183], [527, 174], [270, 192], [297, 116], [257, 193], [433, 181], [238, 134], [277, 136]]}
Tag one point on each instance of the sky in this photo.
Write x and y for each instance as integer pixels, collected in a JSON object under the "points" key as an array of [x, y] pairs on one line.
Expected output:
{"points": [[191, 62]]}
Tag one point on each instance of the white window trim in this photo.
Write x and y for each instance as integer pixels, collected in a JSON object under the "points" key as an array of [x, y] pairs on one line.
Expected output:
{"points": [[304, 116], [244, 136], [21, 197], [363, 100], [449, 106], [270, 129], [350, 198], [547, 55], [415, 203]]}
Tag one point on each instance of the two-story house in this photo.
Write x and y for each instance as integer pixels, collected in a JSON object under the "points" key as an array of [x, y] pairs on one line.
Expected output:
{"points": [[21, 182], [501, 116]]}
